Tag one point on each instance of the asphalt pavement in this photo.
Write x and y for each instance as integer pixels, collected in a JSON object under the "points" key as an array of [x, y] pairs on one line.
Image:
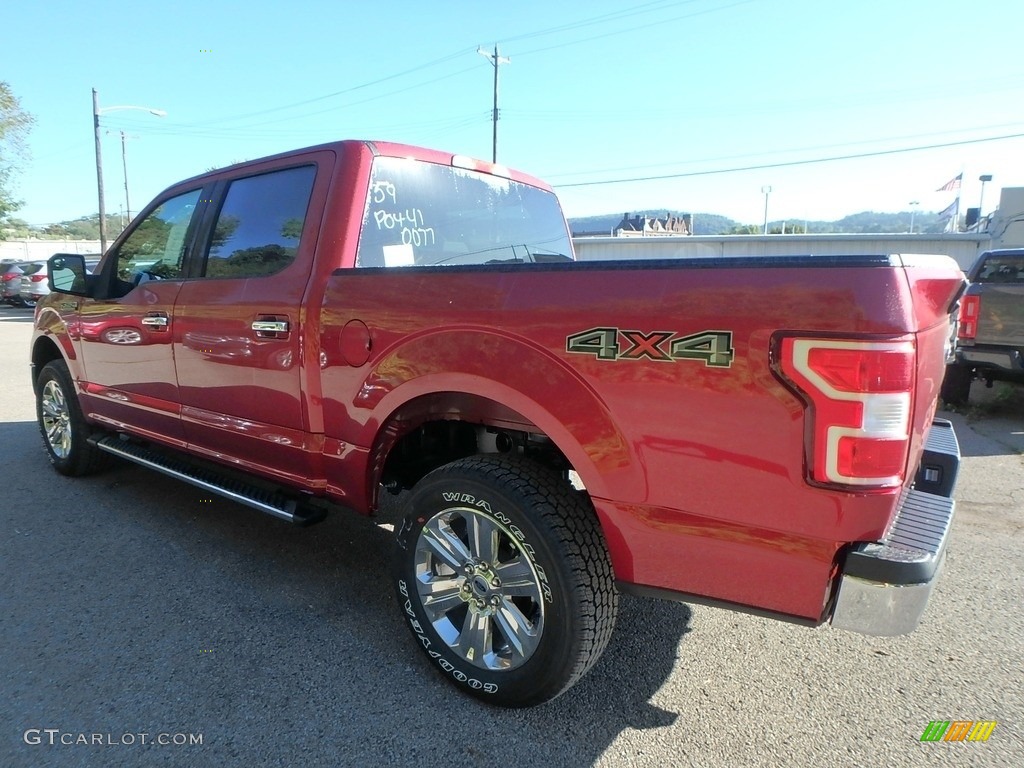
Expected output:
{"points": [[144, 624]]}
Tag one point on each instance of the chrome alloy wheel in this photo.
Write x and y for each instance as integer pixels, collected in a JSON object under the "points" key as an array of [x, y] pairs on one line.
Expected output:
{"points": [[479, 589], [56, 419]]}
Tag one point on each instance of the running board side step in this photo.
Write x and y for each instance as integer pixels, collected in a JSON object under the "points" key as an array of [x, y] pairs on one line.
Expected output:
{"points": [[208, 478]]}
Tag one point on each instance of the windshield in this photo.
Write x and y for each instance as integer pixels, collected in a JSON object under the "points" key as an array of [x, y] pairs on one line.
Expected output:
{"points": [[424, 214]]}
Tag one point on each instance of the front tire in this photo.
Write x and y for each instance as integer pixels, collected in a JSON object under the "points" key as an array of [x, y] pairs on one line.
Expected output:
{"points": [[504, 578], [64, 429]]}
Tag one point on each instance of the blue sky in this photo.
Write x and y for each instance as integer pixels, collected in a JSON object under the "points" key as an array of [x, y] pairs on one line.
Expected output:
{"points": [[595, 91]]}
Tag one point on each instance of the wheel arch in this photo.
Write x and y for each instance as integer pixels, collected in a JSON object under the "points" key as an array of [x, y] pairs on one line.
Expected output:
{"points": [[45, 349], [575, 421]]}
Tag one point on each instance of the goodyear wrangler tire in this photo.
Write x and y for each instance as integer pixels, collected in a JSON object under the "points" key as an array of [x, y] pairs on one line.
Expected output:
{"points": [[63, 426], [504, 578]]}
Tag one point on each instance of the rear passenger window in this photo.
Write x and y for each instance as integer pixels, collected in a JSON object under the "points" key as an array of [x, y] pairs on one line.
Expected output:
{"points": [[425, 214], [260, 224], [1002, 269]]}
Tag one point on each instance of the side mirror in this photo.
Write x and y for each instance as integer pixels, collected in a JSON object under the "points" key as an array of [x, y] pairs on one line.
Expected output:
{"points": [[66, 273]]}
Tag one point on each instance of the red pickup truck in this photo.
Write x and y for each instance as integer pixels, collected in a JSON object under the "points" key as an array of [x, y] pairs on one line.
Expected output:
{"points": [[309, 330]]}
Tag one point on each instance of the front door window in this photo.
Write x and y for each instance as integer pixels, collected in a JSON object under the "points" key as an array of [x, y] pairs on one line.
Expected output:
{"points": [[156, 247]]}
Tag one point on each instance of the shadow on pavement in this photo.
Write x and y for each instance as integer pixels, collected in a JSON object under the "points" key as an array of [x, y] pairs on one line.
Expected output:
{"points": [[992, 424], [162, 607]]}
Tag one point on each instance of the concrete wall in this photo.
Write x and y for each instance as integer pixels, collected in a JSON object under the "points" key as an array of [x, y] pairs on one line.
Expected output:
{"points": [[40, 250], [964, 248]]}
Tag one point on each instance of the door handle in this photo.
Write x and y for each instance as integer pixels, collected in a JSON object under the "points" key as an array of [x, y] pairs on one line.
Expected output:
{"points": [[270, 326], [159, 322]]}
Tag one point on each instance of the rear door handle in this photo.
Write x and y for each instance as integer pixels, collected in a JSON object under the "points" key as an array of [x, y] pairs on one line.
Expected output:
{"points": [[270, 326]]}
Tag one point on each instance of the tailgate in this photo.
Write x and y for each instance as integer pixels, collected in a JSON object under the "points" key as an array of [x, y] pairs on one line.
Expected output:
{"points": [[1001, 316]]}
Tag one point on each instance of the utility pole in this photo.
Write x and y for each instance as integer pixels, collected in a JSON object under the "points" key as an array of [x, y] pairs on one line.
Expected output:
{"points": [[99, 169], [496, 61], [96, 112], [124, 166], [766, 190]]}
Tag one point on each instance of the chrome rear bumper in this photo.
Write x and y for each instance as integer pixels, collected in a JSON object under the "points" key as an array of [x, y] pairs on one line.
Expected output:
{"points": [[885, 585]]}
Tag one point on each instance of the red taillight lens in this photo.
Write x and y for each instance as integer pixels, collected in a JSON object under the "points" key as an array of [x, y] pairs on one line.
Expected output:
{"points": [[8, 277], [861, 393], [970, 308], [860, 457], [37, 278], [863, 370]]}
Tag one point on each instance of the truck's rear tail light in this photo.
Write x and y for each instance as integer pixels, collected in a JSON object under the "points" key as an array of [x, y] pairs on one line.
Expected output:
{"points": [[970, 308], [861, 398]]}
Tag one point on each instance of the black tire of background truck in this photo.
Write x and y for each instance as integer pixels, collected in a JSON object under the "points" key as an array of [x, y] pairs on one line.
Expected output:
{"points": [[499, 517], [956, 384], [59, 415]]}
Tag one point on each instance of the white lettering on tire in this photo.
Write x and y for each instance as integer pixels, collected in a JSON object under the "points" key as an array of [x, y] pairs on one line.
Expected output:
{"points": [[515, 530], [446, 665]]}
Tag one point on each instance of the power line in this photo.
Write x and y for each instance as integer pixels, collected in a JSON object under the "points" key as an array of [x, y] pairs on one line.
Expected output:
{"points": [[197, 129], [851, 101], [790, 150], [630, 12], [623, 30], [650, 7], [315, 99], [790, 163]]}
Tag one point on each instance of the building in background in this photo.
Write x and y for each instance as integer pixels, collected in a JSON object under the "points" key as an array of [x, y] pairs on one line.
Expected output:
{"points": [[642, 225]]}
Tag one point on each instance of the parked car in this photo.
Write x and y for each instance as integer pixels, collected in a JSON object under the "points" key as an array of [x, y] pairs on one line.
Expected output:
{"points": [[33, 283], [990, 338], [10, 283]]}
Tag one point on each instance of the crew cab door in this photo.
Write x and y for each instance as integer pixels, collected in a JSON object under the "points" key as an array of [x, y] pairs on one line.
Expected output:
{"points": [[239, 322], [125, 336]]}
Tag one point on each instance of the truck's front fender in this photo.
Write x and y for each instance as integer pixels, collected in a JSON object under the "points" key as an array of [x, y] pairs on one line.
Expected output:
{"points": [[53, 339]]}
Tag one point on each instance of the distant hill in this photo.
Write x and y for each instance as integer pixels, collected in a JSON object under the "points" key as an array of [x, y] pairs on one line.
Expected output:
{"points": [[82, 228], [867, 222], [872, 222]]}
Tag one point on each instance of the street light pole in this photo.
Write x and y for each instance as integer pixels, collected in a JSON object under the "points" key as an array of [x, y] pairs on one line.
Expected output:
{"points": [[983, 178], [96, 112], [913, 210], [496, 60], [765, 190]]}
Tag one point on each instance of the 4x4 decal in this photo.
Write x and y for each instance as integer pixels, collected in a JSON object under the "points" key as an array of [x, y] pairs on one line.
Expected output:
{"points": [[713, 347]]}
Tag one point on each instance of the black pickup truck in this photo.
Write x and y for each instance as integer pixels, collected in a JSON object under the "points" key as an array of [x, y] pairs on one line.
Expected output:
{"points": [[990, 339]]}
